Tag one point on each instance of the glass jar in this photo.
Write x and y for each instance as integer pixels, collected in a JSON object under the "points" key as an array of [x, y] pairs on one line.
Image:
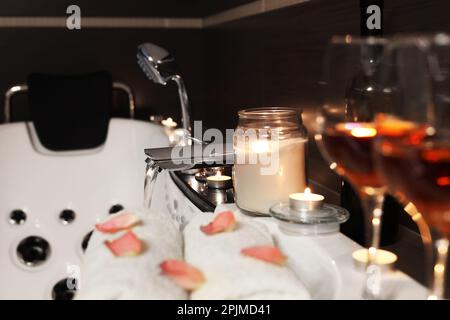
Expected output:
{"points": [[269, 157]]}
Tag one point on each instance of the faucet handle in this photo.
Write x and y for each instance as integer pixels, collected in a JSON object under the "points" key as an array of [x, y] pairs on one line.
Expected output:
{"points": [[196, 155]]}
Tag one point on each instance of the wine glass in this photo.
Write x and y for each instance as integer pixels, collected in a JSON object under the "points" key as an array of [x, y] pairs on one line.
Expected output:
{"points": [[346, 130], [412, 149]]}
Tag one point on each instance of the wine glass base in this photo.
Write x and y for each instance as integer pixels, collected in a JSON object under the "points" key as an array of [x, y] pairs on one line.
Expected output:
{"points": [[385, 260]]}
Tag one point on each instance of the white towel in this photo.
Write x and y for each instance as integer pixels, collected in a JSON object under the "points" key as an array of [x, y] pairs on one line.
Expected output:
{"points": [[231, 275], [104, 276]]}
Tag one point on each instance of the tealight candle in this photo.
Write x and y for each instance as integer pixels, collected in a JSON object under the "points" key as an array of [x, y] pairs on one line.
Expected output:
{"points": [[172, 133], [169, 123], [305, 201], [384, 259], [219, 181]]}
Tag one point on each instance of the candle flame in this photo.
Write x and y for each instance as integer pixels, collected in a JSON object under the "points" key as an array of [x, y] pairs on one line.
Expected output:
{"points": [[307, 190], [363, 132], [359, 130], [260, 146], [168, 122], [218, 173]]}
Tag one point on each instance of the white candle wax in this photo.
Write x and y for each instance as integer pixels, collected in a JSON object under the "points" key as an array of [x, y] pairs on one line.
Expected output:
{"points": [[218, 181], [306, 196], [169, 123], [257, 192], [383, 258], [305, 200]]}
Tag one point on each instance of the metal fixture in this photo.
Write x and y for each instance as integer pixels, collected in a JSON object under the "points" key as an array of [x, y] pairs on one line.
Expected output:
{"points": [[85, 242], [183, 158], [160, 67], [24, 88], [188, 157], [115, 208], [61, 290], [130, 95], [67, 216], [33, 251], [17, 217]]}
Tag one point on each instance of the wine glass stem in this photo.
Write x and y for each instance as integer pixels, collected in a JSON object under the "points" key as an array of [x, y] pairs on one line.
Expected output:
{"points": [[425, 234], [438, 286], [373, 206]]}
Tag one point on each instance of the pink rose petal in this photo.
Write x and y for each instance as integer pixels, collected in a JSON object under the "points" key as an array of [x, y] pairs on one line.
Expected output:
{"points": [[223, 222], [183, 274], [127, 245], [119, 222], [269, 254]]}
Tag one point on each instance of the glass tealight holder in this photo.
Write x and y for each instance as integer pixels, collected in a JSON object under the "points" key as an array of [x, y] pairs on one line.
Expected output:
{"points": [[307, 214]]}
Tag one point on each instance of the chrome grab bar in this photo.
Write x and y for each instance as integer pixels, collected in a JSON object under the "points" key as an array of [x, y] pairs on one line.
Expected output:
{"points": [[122, 86], [8, 95], [23, 88]]}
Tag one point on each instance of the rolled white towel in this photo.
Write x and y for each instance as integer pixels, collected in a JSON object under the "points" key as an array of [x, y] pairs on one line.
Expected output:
{"points": [[105, 276], [231, 275]]}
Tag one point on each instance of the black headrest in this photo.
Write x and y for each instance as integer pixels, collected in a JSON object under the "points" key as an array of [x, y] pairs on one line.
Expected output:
{"points": [[70, 112]]}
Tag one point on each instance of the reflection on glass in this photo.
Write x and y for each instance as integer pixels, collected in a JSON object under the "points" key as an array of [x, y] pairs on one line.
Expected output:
{"points": [[413, 141], [346, 130]]}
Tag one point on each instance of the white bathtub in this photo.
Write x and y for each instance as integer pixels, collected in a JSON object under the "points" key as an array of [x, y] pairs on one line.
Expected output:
{"points": [[42, 184], [90, 183]]}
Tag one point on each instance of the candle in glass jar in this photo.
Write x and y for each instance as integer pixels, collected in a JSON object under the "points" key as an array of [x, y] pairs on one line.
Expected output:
{"points": [[257, 192]]}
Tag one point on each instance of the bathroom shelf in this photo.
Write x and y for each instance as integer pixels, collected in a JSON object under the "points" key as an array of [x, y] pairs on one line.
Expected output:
{"points": [[408, 245]]}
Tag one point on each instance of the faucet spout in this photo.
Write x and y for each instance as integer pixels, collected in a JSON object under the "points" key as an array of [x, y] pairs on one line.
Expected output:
{"points": [[151, 173], [193, 156], [183, 158]]}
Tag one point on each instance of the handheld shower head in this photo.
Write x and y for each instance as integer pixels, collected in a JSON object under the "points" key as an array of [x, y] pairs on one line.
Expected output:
{"points": [[160, 67], [157, 63]]}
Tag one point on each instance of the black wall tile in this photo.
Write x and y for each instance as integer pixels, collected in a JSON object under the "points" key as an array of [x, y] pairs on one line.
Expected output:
{"points": [[23, 51], [108, 8]]}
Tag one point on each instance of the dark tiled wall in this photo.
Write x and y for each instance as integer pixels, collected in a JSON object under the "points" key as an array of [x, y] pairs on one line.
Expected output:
{"points": [[275, 59], [108, 8], [23, 51]]}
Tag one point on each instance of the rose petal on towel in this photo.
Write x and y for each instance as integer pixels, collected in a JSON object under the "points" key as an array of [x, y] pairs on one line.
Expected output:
{"points": [[183, 274], [127, 245], [118, 222], [223, 222], [269, 254]]}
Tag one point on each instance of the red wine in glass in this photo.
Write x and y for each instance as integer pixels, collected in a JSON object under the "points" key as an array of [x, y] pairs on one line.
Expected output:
{"points": [[418, 166], [350, 146]]}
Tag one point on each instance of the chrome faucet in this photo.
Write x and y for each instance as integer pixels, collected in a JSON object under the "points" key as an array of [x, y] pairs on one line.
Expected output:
{"points": [[159, 65], [183, 158], [193, 156]]}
